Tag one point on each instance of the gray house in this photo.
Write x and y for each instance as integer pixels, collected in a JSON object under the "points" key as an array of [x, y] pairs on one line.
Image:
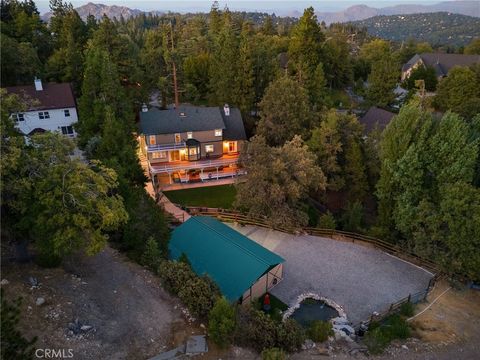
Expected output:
{"points": [[191, 143]]}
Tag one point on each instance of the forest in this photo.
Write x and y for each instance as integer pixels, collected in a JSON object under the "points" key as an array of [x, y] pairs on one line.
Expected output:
{"points": [[415, 184]]}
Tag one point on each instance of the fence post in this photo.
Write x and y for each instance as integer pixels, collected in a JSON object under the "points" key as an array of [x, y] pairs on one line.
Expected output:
{"points": [[391, 307], [409, 297]]}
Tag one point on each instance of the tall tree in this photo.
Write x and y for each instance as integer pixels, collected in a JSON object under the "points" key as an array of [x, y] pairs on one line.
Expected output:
{"points": [[382, 81], [278, 181]]}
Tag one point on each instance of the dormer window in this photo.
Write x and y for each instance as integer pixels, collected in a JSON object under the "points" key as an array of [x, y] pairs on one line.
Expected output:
{"points": [[178, 138], [218, 132], [182, 114], [152, 140], [189, 135]]}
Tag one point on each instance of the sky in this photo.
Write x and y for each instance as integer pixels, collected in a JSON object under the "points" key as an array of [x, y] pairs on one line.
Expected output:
{"points": [[269, 6]]}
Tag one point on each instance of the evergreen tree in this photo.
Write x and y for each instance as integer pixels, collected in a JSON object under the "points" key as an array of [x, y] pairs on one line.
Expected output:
{"points": [[382, 81]]}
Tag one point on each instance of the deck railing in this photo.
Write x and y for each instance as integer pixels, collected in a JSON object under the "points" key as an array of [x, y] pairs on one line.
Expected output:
{"points": [[200, 164], [164, 147]]}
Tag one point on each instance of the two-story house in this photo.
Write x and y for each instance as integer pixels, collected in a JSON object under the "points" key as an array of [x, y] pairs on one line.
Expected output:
{"points": [[191, 143], [50, 107]]}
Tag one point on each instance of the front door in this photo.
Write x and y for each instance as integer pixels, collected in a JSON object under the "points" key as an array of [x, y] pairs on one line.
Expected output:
{"points": [[174, 155]]}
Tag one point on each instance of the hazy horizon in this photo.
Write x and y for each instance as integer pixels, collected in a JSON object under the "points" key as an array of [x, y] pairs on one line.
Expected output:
{"points": [[270, 6]]}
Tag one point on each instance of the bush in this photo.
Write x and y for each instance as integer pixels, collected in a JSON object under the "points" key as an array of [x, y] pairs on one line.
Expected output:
{"points": [[353, 217], [319, 331], [379, 336], [221, 322], [13, 345], [199, 294], [175, 275], [255, 329], [273, 354], [327, 221], [407, 309], [290, 335], [152, 256]]}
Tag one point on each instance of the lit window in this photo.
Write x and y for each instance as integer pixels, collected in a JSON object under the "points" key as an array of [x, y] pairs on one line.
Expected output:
{"points": [[209, 148], [178, 138], [189, 135], [152, 140], [43, 115], [218, 132], [192, 151], [232, 146], [67, 130], [159, 155], [66, 112]]}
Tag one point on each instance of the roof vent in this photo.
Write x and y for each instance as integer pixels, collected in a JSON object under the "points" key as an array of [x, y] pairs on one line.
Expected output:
{"points": [[182, 114], [144, 108], [226, 109], [38, 84]]}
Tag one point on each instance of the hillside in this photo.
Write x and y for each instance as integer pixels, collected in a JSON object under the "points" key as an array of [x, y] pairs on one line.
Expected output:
{"points": [[362, 12], [440, 28], [98, 10]]}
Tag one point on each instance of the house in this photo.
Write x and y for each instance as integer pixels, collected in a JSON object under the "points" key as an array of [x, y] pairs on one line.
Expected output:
{"points": [[191, 143], [50, 107], [442, 63], [242, 269], [376, 118]]}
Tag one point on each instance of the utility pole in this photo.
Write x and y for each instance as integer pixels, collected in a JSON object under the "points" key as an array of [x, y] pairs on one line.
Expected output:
{"points": [[174, 68]]}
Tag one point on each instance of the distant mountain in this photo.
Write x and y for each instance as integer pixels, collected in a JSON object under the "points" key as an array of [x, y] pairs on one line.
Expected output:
{"points": [[361, 12], [440, 28], [98, 10]]}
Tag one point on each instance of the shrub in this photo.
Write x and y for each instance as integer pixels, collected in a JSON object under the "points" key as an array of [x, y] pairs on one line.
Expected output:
{"points": [[290, 336], [273, 354], [407, 309], [319, 331], [199, 295], [327, 221], [379, 336], [175, 275], [13, 344], [152, 256], [255, 329], [221, 322], [353, 217]]}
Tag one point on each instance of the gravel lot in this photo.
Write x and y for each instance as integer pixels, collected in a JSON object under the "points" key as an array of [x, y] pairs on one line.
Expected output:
{"points": [[359, 278]]}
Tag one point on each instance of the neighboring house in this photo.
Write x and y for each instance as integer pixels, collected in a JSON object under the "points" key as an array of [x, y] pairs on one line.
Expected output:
{"points": [[442, 63], [242, 269], [191, 143], [50, 107], [376, 118]]}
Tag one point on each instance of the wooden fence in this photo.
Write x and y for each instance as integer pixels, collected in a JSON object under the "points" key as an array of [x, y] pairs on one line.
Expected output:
{"points": [[365, 240]]}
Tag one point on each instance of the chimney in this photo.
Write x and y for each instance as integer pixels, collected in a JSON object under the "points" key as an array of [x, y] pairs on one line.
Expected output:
{"points": [[144, 108], [226, 109], [38, 84]]}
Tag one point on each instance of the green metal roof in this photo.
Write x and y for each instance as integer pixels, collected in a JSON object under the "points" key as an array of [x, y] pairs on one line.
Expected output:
{"points": [[231, 259]]}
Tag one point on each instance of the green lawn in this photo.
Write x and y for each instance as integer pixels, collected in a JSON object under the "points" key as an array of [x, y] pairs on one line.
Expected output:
{"points": [[221, 196]]}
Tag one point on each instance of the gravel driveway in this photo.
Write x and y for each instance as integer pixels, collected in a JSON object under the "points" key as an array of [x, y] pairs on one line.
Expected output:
{"points": [[359, 278]]}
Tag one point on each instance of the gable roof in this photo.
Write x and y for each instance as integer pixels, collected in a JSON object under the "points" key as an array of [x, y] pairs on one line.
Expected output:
{"points": [[376, 117], [234, 129], [442, 63], [53, 96], [233, 261]]}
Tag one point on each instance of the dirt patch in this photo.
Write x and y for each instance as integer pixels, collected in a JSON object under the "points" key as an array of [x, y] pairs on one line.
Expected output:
{"points": [[130, 315]]}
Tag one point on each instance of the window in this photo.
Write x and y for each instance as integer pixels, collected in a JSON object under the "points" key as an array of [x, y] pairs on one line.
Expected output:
{"points": [[67, 130], [209, 148], [159, 155], [192, 151], [18, 117], [189, 135], [152, 140], [66, 112], [43, 115], [178, 138], [218, 132]]}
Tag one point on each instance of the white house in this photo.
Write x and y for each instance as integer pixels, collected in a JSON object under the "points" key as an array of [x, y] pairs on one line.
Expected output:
{"points": [[50, 107]]}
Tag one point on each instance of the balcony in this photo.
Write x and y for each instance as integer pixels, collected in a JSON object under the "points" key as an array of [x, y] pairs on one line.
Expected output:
{"points": [[171, 167], [165, 147]]}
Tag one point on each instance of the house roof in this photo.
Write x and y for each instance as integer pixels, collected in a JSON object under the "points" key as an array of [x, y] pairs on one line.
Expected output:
{"points": [[442, 63], [376, 117], [192, 118], [230, 259], [53, 96]]}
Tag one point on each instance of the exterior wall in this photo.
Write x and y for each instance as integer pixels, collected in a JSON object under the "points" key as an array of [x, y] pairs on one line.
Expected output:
{"points": [[407, 73], [263, 284], [54, 123]]}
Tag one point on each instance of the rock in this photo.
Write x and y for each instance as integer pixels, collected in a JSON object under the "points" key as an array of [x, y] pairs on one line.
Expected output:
{"points": [[340, 321], [202, 326], [4, 282], [347, 329], [40, 301], [86, 328], [323, 351], [308, 344], [33, 281], [405, 347]]}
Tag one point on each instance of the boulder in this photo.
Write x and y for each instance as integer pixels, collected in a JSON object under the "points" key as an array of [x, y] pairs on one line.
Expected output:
{"points": [[4, 282], [40, 301]]}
